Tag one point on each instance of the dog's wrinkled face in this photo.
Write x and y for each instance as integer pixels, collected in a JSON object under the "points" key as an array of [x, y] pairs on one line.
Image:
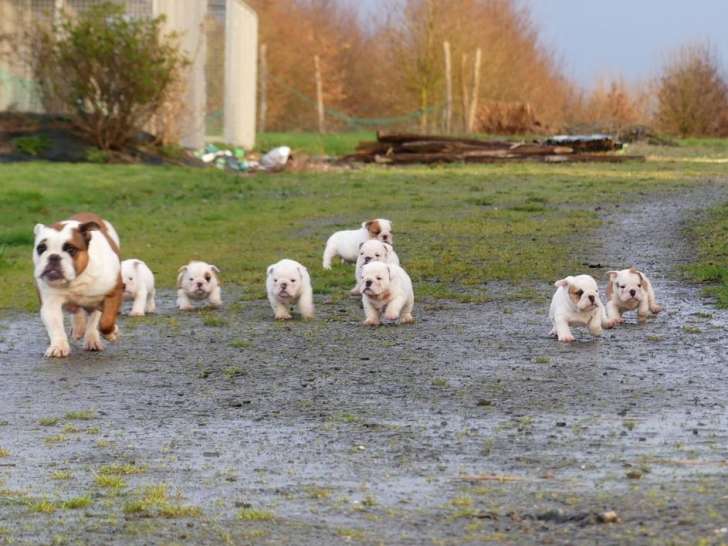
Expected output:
{"points": [[374, 251], [60, 252], [375, 279], [380, 229], [583, 291], [287, 281], [627, 284], [130, 277], [198, 279]]}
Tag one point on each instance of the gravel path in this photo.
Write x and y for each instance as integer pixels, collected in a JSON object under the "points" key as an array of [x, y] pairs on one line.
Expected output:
{"points": [[341, 433]]}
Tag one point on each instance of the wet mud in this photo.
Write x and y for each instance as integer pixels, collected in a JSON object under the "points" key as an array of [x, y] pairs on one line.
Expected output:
{"points": [[471, 426]]}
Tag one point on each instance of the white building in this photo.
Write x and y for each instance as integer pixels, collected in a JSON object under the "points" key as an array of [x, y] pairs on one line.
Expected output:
{"points": [[219, 36]]}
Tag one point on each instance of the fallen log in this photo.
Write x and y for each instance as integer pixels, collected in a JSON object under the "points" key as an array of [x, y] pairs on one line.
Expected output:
{"points": [[399, 138]]}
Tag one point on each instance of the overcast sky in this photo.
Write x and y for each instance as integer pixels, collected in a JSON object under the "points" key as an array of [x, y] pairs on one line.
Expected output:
{"points": [[594, 38]]}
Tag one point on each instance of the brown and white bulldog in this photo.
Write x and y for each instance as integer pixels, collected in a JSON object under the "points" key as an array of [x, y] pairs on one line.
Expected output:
{"points": [[345, 244], [77, 268]]}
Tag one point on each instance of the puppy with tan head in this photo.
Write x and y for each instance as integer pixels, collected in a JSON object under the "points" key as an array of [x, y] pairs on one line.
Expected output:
{"points": [[288, 283], [577, 302], [630, 289], [138, 282], [345, 244], [198, 281], [77, 268], [386, 292], [373, 250]]}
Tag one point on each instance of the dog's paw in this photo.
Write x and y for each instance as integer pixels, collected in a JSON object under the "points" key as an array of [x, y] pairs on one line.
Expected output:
{"points": [[611, 323], [114, 335], [655, 308], [407, 319], [59, 349], [283, 316], [391, 317], [94, 345], [371, 322], [567, 339], [185, 307], [355, 291], [136, 313]]}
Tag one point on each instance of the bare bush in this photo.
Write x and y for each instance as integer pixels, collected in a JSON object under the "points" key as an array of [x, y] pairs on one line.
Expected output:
{"points": [[109, 72], [692, 95]]}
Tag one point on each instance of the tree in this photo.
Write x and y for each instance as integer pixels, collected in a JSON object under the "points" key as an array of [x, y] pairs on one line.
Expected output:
{"points": [[692, 96], [109, 72]]}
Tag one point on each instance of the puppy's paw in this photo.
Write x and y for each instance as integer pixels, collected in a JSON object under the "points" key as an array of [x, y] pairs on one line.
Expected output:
{"points": [[355, 291], [283, 316], [371, 322], [390, 316], [59, 349], [407, 319], [610, 323], [133, 313], [185, 307], [655, 308], [327, 266], [567, 338]]}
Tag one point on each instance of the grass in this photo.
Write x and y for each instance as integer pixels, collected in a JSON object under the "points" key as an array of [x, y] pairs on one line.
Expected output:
{"points": [[457, 228], [77, 502], [711, 266], [121, 470], [155, 501], [4, 453], [314, 144], [108, 481], [48, 421], [253, 514], [83, 415]]}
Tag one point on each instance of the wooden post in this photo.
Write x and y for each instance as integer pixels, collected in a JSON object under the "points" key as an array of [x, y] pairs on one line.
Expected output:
{"points": [[476, 92], [319, 94], [464, 89], [263, 110], [448, 88]]}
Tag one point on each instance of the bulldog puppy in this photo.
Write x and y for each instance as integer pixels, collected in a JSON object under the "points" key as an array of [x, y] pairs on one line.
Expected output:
{"points": [[577, 302], [138, 281], [372, 250], [198, 281], [288, 283], [628, 290], [76, 267], [345, 244], [386, 291]]}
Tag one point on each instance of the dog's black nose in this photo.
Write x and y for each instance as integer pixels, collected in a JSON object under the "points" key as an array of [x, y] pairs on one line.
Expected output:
{"points": [[591, 299], [123, 286], [199, 285], [368, 283], [633, 292], [367, 260], [284, 285], [54, 258]]}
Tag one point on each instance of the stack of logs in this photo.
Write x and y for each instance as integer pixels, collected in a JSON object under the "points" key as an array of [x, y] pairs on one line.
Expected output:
{"points": [[406, 149]]}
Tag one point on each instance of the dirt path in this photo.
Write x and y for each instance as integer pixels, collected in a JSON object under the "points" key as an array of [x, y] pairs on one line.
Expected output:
{"points": [[341, 433]]}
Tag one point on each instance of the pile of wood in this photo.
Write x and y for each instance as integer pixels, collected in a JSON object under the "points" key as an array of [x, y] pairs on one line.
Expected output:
{"points": [[407, 149]]}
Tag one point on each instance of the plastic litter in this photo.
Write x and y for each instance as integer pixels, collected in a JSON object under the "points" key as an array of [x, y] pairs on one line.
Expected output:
{"points": [[277, 158]]}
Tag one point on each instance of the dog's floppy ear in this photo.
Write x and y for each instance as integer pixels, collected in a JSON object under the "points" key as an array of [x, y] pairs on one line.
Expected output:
{"points": [[181, 271], [387, 248], [215, 268], [270, 270], [361, 245], [389, 271], [37, 229], [88, 227], [137, 263], [634, 270], [302, 271], [563, 283]]}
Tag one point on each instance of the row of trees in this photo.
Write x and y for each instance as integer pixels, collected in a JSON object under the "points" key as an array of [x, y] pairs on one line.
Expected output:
{"points": [[420, 57]]}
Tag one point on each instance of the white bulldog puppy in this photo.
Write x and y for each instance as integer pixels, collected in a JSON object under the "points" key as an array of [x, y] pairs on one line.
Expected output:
{"points": [[345, 244], [386, 291], [372, 250], [138, 282], [577, 302], [288, 283], [198, 281], [628, 290], [77, 268]]}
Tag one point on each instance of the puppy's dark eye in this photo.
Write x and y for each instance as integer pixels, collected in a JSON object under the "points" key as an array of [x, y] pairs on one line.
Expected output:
{"points": [[208, 277], [70, 249], [639, 286], [41, 248], [376, 255], [580, 293], [192, 279], [379, 278], [623, 286], [293, 281]]}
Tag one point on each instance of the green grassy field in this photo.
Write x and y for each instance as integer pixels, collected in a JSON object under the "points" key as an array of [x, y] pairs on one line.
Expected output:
{"points": [[712, 264], [456, 228]]}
